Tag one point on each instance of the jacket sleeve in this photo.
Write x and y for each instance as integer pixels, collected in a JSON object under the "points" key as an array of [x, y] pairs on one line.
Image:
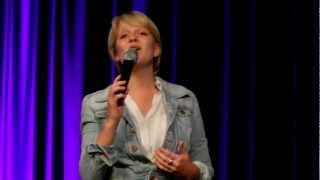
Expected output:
{"points": [[199, 151], [96, 161]]}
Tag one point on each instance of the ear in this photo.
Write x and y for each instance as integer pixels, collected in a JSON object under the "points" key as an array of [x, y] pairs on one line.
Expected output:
{"points": [[156, 52]]}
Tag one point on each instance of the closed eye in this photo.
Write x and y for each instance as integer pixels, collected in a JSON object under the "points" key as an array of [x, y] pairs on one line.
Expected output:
{"points": [[143, 33], [122, 36]]}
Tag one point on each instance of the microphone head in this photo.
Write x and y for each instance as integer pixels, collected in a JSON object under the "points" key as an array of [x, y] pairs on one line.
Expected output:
{"points": [[130, 55]]}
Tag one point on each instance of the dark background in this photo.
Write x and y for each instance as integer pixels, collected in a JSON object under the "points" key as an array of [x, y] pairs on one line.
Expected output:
{"points": [[253, 65], [254, 68]]}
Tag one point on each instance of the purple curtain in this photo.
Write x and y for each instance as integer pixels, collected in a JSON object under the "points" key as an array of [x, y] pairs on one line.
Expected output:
{"points": [[41, 41], [252, 65]]}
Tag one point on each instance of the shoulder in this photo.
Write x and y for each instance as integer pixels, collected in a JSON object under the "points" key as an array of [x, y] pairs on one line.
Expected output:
{"points": [[175, 90], [96, 100]]}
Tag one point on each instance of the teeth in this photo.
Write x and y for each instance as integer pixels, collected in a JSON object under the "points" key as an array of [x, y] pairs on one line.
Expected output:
{"points": [[136, 48]]}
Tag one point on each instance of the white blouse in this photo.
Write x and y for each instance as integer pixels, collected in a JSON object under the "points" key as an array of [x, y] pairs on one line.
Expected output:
{"points": [[152, 127]]}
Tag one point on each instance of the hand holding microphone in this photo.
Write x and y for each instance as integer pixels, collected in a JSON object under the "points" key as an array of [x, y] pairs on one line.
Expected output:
{"points": [[119, 86], [116, 96], [125, 69]]}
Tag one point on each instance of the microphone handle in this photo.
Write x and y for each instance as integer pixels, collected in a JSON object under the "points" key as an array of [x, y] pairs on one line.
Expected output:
{"points": [[125, 71]]}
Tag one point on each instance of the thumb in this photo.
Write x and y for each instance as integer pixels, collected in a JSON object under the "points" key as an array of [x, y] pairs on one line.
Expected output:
{"points": [[181, 147]]}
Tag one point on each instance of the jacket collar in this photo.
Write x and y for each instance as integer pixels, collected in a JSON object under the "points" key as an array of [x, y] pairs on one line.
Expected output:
{"points": [[171, 96], [171, 93]]}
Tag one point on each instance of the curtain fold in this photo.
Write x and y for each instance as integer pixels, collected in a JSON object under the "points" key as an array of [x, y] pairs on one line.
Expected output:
{"points": [[254, 67]]}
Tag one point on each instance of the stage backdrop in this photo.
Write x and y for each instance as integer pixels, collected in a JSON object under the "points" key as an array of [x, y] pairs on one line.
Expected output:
{"points": [[253, 66]]}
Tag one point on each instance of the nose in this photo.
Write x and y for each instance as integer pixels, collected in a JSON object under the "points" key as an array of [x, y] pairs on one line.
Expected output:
{"points": [[133, 37]]}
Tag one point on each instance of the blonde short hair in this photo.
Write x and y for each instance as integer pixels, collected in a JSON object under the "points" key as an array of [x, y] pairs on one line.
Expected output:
{"points": [[138, 19]]}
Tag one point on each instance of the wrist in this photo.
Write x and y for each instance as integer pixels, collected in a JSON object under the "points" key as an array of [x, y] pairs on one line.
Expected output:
{"points": [[107, 133], [195, 172], [110, 124]]}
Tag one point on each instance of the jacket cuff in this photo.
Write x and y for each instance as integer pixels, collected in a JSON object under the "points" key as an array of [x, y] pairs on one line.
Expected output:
{"points": [[204, 170], [107, 154]]}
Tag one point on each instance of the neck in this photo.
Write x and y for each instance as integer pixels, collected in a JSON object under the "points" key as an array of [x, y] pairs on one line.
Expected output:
{"points": [[142, 78]]}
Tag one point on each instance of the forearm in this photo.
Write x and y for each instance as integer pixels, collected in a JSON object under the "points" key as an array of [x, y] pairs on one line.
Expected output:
{"points": [[107, 133]]}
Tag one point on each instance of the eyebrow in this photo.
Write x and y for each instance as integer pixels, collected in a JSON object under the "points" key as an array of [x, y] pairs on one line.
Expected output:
{"points": [[123, 31]]}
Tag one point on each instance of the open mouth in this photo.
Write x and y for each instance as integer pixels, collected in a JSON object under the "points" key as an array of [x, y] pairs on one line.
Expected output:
{"points": [[136, 47]]}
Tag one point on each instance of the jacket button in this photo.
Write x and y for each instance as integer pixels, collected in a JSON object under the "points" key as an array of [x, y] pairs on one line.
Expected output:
{"points": [[134, 148]]}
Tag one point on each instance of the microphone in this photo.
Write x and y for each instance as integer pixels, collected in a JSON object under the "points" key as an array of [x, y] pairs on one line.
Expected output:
{"points": [[125, 68]]}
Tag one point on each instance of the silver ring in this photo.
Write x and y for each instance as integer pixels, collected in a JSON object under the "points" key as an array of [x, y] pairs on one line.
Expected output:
{"points": [[119, 95]]}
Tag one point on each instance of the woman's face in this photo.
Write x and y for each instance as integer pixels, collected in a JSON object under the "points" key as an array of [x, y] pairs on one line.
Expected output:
{"points": [[138, 37]]}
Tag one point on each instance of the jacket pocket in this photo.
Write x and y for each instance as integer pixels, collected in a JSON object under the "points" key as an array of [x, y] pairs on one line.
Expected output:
{"points": [[183, 127], [170, 142], [101, 114]]}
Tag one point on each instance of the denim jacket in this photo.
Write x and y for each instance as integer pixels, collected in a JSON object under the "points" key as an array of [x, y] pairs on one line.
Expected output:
{"points": [[125, 158]]}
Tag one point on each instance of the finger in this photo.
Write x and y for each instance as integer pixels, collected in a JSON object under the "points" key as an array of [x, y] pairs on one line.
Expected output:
{"points": [[163, 164], [181, 147], [117, 78], [120, 96], [168, 153], [117, 89], [119, 99], [119, 83], [164, 155], [162, 167], [116, 85]]}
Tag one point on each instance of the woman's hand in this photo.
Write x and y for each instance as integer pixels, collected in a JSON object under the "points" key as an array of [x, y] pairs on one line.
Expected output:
{"points": [[117, 93], [114, 112], [179, 164]]}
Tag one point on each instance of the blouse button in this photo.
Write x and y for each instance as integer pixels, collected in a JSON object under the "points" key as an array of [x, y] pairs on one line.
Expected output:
{"points": [[131, 131]]}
